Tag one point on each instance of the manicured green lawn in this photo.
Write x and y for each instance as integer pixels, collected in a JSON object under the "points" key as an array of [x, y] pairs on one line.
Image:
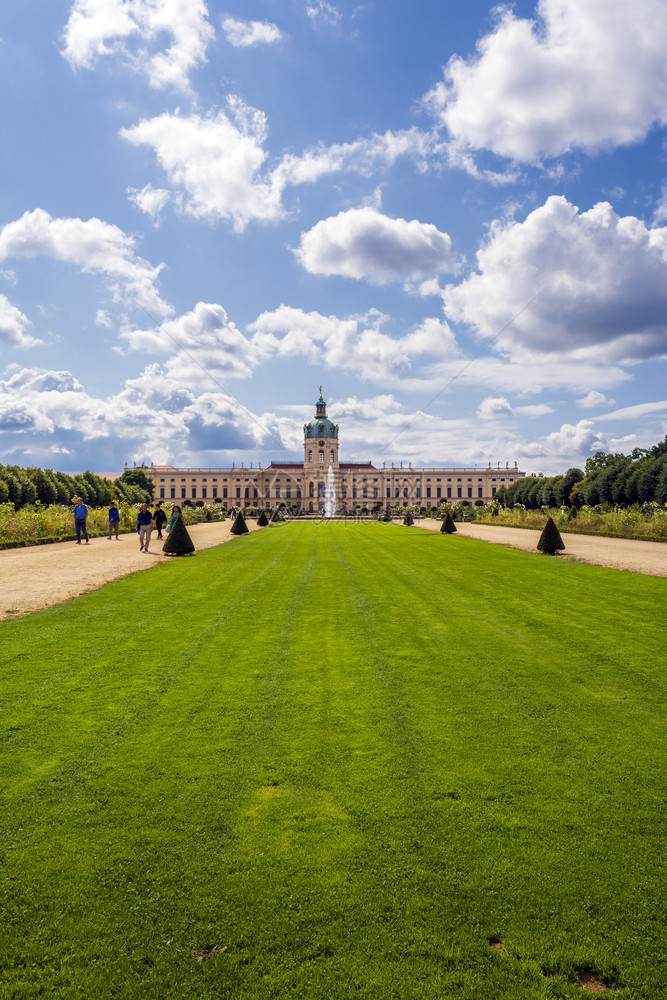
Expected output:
{"points": [[337, 761]]}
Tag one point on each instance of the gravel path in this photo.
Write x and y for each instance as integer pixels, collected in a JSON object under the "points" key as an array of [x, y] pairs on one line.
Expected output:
{"points": [[43, 575], [649, 558]]}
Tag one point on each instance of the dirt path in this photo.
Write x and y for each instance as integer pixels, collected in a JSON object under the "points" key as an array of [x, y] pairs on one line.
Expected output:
{"points": [[649, 558], [43, 575], [38, 577]]}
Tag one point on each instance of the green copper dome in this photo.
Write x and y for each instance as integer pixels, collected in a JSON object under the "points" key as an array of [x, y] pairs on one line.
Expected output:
{"points": [[320, 426]]}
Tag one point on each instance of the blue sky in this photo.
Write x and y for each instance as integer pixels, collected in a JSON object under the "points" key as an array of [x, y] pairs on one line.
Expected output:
{"points": [[453, 216]]}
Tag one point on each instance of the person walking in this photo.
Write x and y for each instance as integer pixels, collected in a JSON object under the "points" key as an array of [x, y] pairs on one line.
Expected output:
{"points": [[144, 527], [114, 520], [80, 516], [160, 519]]}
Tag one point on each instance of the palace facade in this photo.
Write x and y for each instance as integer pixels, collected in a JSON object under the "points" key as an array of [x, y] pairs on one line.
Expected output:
{"points": [[302, 485]]}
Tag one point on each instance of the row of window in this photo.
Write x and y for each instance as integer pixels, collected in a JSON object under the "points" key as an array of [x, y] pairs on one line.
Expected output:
{"points": [[251, 493]]}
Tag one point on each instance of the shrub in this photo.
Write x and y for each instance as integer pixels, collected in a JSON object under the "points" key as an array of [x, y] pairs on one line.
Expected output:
{"points": [[239, 526], [408, 519], [262, 520], [448, 526], [550, 541], [178, 541]]}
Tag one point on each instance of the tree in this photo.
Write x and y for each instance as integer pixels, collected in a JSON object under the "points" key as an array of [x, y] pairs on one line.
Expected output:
{"points": [[567, 484], [550, 541], [137, 477], [262, 520], [408, 519], [178, 541], [47, 491]]}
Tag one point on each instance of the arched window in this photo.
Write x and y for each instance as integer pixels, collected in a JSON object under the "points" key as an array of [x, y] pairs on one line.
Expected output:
{"points": [[321, 458], [311, 492], [332, 457], [320, 490], [310, 456]]}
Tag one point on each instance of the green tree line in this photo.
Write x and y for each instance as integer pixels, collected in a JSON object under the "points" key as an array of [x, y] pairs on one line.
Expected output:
{"points": [[27, 486], [621, 480]]}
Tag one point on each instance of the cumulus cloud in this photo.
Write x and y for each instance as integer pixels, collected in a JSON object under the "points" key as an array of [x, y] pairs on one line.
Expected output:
{"points": [[571, 439], [364, 243], [216, 160], [494, 408], [94, 246], [243, 34], [594, 399], [13, 325], [584, 74], [203, 344], [354, 343], [153, 417], [132, 30], [219, 169], [588, 285]]}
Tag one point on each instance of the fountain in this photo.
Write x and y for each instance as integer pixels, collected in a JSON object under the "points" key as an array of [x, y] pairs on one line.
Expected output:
{"points": [[330, 495]]}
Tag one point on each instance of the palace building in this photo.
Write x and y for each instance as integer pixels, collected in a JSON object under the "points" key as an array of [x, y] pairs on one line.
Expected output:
{"points": [[301, 485]]}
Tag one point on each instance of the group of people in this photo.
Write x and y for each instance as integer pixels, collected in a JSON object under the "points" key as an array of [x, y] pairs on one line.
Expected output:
{"points": [[145, 522]]}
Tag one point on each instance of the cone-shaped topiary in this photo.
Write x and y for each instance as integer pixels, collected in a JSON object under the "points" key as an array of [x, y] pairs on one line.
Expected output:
{"points": [[408, 519], [262, 520], [550, 540], [448, 526], [178, 541], [239, 526]]}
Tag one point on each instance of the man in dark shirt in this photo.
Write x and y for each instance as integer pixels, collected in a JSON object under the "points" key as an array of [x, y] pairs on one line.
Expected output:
{"points": [[144, 527], [160, 519]]}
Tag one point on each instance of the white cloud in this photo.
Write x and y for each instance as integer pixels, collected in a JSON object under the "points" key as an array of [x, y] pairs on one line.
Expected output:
{"points": [[153, 417], [245, 33], [13, 325], [102, 318], [216, 160], [494, 408], [204, 346], [585, 74], [355, 343], [219, 168], [636, 412], [571, 439], [94, 246], [149, 200], [323, 11], [132, 30], [587, 286], [594, 399], [364, 243]]}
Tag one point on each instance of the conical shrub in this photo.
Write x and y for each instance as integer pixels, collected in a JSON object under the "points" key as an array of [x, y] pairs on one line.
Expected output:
{"points": [[262, 520], [178, 541], [408, 519], [550, 541], [239, 526], [448, 526]]}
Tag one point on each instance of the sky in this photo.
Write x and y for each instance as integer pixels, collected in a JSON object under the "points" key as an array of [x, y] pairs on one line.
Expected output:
{"points": [[451, 216]]}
